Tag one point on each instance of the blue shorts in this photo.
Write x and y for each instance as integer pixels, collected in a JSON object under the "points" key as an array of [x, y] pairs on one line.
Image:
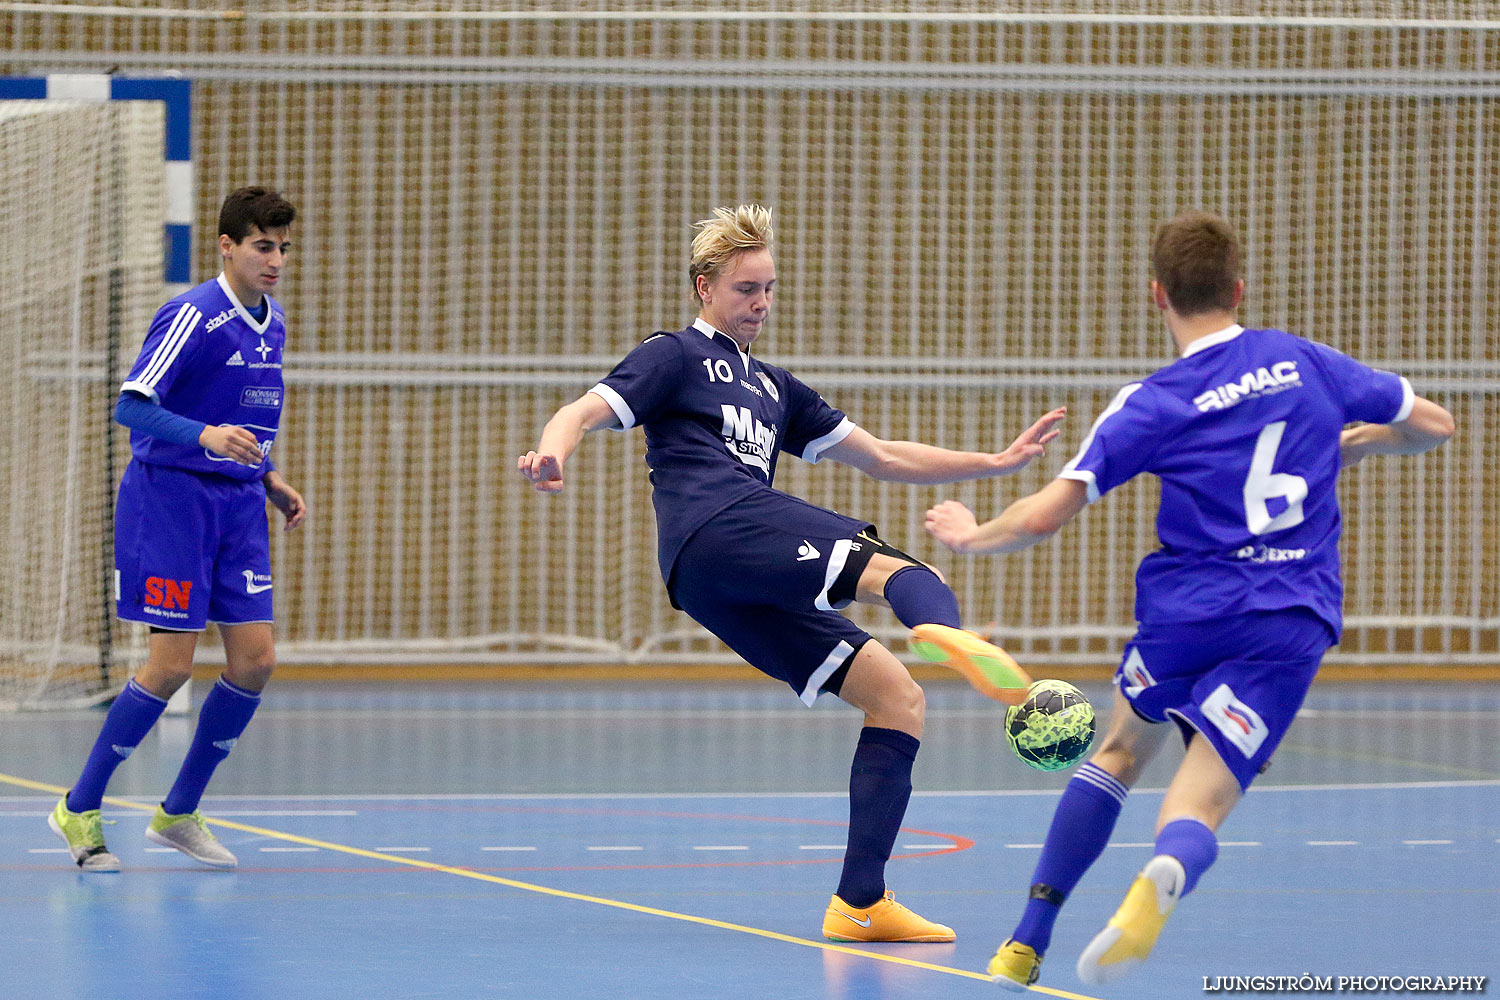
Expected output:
{"points": [[761, 576], [1237, 681], [191, 548]]}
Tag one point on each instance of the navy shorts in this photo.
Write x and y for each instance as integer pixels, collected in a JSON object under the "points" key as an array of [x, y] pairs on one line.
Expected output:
{"points": [[191, 548], [761, 576], [1237, 681]]}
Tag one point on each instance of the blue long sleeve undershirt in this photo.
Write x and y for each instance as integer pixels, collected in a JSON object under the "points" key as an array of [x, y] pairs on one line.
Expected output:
{"points": [[141, 414]]}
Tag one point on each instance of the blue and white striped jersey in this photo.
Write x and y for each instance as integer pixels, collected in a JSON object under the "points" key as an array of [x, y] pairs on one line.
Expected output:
{"points": [[716, 419], [1243, 431], [206, 357]]}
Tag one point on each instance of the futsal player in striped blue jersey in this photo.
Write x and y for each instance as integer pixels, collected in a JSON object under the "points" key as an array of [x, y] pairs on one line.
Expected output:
{"points": [[203, 402], [1247, 431], [767, 572]]}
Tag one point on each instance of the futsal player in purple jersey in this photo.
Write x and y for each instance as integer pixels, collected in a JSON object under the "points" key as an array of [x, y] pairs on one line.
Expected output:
{"points": [[1247, 431], [765, 571], [203, 402]]}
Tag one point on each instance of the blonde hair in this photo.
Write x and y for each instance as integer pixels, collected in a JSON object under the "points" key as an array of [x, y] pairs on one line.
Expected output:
{"points": [[731, 232]]}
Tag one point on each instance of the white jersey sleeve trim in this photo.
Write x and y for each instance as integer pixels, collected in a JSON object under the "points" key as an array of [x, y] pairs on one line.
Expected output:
{"points": [[616, 402], [1071, 470], [815, 448], [143, 389], [1408, 400], [166, 352], [1083, 476]]}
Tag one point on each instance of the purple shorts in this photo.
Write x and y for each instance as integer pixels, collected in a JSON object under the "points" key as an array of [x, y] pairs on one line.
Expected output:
{"points": [[191, 548], [1237, 681]]}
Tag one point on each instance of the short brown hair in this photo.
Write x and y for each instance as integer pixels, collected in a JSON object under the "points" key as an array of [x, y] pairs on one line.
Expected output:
{"points": [[253, 206], [1197, 259]]}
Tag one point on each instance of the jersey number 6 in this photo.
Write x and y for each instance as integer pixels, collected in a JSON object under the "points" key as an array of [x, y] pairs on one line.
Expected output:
{"points": [[1262, 484]]}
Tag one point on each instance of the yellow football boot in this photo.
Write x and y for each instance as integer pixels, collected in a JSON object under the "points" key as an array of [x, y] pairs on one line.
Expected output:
{"points": [[883, 920], [1015, 966], [1132, 932]]}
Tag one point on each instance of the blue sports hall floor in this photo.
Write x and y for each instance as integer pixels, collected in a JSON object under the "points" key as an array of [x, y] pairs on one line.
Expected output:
{"points": [[649, 840]]}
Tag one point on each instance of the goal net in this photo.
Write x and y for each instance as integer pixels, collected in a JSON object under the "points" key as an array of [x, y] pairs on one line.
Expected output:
{"points": [[495, 206], [82, 199]]}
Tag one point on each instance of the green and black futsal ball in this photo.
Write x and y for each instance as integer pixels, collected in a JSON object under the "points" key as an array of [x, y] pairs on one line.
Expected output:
{"points": [[1052, 728]]}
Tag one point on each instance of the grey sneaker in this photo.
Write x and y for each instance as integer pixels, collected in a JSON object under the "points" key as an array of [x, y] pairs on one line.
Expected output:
{"points": [[189, 834], [84, 834]]}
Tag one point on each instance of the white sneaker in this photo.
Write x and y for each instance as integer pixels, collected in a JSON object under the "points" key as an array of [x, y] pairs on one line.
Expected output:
{"points": [[189, 834]]}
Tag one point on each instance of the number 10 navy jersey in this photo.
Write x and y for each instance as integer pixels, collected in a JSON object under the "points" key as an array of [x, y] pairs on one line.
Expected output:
{"points": [[1243, 431], [716, 419]]}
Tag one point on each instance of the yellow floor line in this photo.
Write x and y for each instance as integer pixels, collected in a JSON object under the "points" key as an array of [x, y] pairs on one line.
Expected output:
{"points": [[394, 859]]}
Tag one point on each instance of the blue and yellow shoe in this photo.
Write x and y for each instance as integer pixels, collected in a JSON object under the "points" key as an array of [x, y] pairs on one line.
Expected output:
{"points": [[83, 832], [993, 672], [1015, 966], [1132, 932], [883, 920]]}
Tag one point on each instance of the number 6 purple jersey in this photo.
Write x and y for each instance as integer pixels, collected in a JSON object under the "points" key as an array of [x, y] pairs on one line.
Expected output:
{"points": [[1243, 431]]}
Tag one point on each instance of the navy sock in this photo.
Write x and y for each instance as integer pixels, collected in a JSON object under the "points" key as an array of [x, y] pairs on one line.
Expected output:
{"points": [[130, 718], [919, 598], [1080, 830], [1191, 842], [879, 788], [224, 715]]}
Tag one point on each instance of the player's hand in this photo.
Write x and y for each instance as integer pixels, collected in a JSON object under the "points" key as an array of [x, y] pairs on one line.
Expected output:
{"points": [[231, 442], [953, 524], [1033, 440], [285, 499], [543, 472]]}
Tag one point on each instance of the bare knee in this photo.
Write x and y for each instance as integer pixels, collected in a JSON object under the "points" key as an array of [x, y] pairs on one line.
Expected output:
{"points": [[252, 673], [1118, 755], [880, 686]]}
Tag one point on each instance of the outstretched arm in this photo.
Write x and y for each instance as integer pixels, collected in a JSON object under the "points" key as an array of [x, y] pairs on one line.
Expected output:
{"points": [[543, 467], [913, 462], [1427, 426], [1023, 523]]}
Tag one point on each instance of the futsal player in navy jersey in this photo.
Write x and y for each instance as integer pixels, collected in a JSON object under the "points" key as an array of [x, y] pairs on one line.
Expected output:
{"points": [[765, 571], [1247, 433], [203, 402]]}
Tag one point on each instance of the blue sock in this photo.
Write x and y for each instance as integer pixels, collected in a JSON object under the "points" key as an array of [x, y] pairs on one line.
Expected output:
{"points": [[130, 718], [919, 598], [224, 715], [879, 788], [1191, 842], [1080, 830]]}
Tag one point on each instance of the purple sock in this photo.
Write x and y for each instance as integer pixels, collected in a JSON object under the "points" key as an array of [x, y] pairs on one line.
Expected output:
{"points": [[919, 598], [1191, 842], [879, 789], [1080, 830], [224, 715], [130, 718]]}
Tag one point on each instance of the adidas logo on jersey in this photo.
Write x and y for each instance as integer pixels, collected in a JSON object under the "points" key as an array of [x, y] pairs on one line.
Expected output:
{"points": [[235, 359]]}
